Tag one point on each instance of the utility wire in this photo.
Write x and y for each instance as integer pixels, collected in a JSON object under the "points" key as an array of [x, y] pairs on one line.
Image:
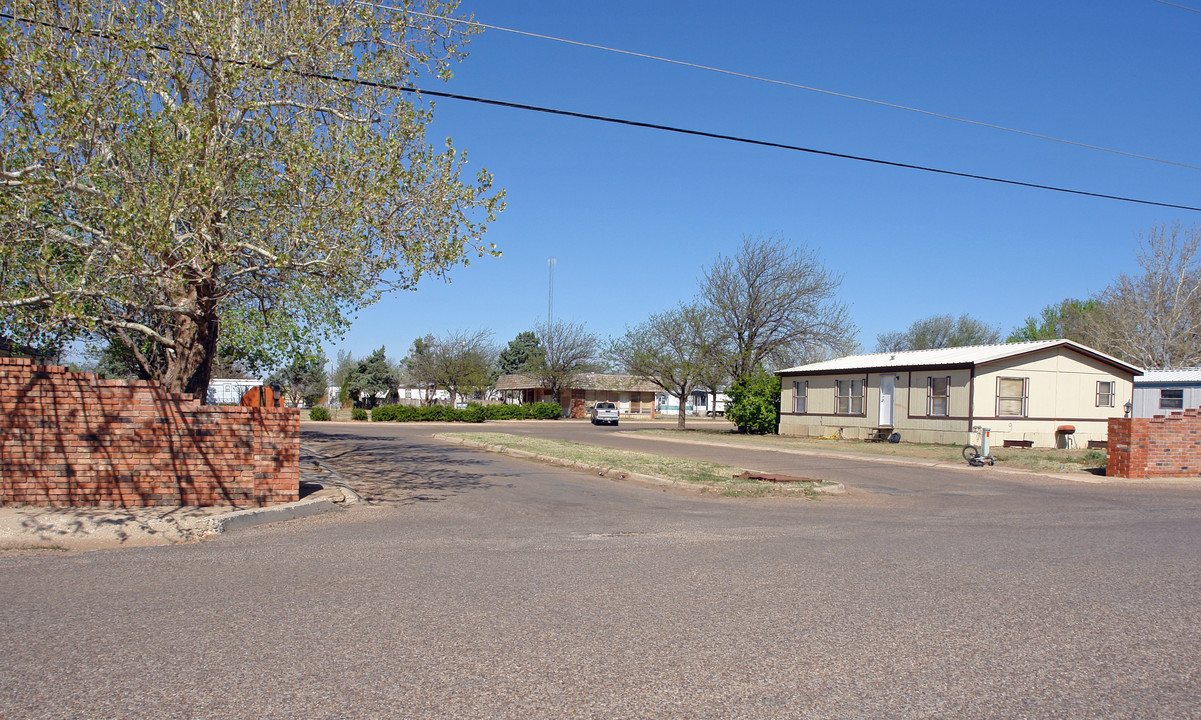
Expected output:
{"points": [[1182, 7], [613, 120], [786, 83], [783, 146]]}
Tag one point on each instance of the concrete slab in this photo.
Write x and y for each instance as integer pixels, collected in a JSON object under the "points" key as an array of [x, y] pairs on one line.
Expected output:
{"points": [[92, 528]]}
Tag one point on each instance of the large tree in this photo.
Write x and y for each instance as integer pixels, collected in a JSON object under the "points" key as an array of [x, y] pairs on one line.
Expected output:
{"points": [[713, 372], [342, 365], [461, 361], [774, 301], [1153, 319], [371, 380], [667, 350], [519, 354], [568, 352], [179, 175], [938, 331], [1070, 319], [302, 380], [421, 367]]}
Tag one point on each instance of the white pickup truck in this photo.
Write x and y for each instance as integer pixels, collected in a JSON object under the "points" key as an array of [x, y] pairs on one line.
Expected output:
{"points": [[604, 413]]}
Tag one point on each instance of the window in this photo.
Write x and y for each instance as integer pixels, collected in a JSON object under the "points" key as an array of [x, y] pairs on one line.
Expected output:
{"points": [[800, 396], [1105, 394], [1171, 399], [1011, 397], [848, 395], [938, 393]]}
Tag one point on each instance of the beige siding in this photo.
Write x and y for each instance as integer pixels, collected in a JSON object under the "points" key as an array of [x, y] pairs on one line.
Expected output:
{"points": [[1061, 390], [628, 403]]}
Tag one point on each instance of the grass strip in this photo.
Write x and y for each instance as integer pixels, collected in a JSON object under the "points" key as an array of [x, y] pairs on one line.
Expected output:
{"points": [[1037, 459], [709, 476]]}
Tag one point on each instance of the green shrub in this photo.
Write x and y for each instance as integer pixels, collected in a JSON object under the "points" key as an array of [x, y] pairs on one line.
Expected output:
{"points": [[318, 413], [754, 404], [507, 412], [384, 413], [547, 411], [434, 413], [475, 413]]}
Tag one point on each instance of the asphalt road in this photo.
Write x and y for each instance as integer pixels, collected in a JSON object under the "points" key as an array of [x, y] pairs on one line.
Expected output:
{"points": [[476, 586]]}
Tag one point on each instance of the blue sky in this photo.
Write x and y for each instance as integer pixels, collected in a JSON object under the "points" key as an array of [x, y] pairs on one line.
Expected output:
{"points": [[633, 216]]}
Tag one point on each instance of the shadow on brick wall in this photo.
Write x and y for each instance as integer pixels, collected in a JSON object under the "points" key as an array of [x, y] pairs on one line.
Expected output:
{"points": [[76, 439]]}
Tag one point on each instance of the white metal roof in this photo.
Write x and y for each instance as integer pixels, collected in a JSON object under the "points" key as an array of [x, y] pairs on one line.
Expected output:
{"points": [[1182, 375], [970, 355]]}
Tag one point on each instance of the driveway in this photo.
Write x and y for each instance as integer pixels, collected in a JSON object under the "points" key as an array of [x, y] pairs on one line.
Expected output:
{"points": [[478, 586]]}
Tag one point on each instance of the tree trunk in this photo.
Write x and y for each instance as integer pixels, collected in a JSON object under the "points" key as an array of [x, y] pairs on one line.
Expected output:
{"points": [[190, 368], [680, 420], [190, 364]]}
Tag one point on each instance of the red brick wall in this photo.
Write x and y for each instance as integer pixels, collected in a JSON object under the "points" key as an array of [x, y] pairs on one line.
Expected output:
{"points": [[1155, 447], [75, 439]]}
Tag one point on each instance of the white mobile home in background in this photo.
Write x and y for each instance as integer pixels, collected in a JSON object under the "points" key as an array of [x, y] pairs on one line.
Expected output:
{"points": [[1163, 392], [229, 391]]}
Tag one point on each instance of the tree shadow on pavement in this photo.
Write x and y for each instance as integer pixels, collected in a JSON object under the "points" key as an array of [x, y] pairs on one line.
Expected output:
{"points": [[394, 471]]}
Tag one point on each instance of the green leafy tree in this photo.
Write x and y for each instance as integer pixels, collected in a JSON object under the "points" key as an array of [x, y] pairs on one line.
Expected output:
{"points": [[754, 404], [1070, 319], [667, 350], [520, 354], [370, 378], [772, 301], [342, 365], [303, 380], [175, 174], [938, 331], [421, 366]]}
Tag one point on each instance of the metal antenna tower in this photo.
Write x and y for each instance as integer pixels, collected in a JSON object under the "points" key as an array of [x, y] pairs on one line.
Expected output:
{"points": [[550, 294]]}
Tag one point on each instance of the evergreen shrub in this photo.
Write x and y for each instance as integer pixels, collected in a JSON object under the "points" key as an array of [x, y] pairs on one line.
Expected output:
{"points": [[547, 411], [475, 413]]}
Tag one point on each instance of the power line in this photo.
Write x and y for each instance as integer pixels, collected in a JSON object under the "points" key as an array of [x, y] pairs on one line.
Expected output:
{"points": [[617, 121], [785, 146], [1182, 7], [786, 83]]}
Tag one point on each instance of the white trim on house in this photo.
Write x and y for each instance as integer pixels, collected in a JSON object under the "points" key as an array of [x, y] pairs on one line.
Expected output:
{"points": [[956, 356]]}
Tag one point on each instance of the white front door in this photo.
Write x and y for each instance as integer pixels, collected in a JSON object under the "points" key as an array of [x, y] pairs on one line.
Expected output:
{"points": [[888, 385]]}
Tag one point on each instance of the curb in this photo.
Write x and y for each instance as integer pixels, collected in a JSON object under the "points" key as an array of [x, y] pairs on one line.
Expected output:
{"points": [[242, 519], [910, 461], [602, 471], [335, 495]]}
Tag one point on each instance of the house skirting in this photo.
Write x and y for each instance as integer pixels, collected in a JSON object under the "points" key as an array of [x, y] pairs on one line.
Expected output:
{"points": [[1041, 433]]}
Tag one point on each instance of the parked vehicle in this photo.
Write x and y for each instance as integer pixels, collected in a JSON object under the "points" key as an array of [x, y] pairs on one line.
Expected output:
{"points": [[604, 413]]}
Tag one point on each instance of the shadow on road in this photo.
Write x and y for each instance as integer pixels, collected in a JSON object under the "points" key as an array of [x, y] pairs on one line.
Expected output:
{"points": [[395, 471]]}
